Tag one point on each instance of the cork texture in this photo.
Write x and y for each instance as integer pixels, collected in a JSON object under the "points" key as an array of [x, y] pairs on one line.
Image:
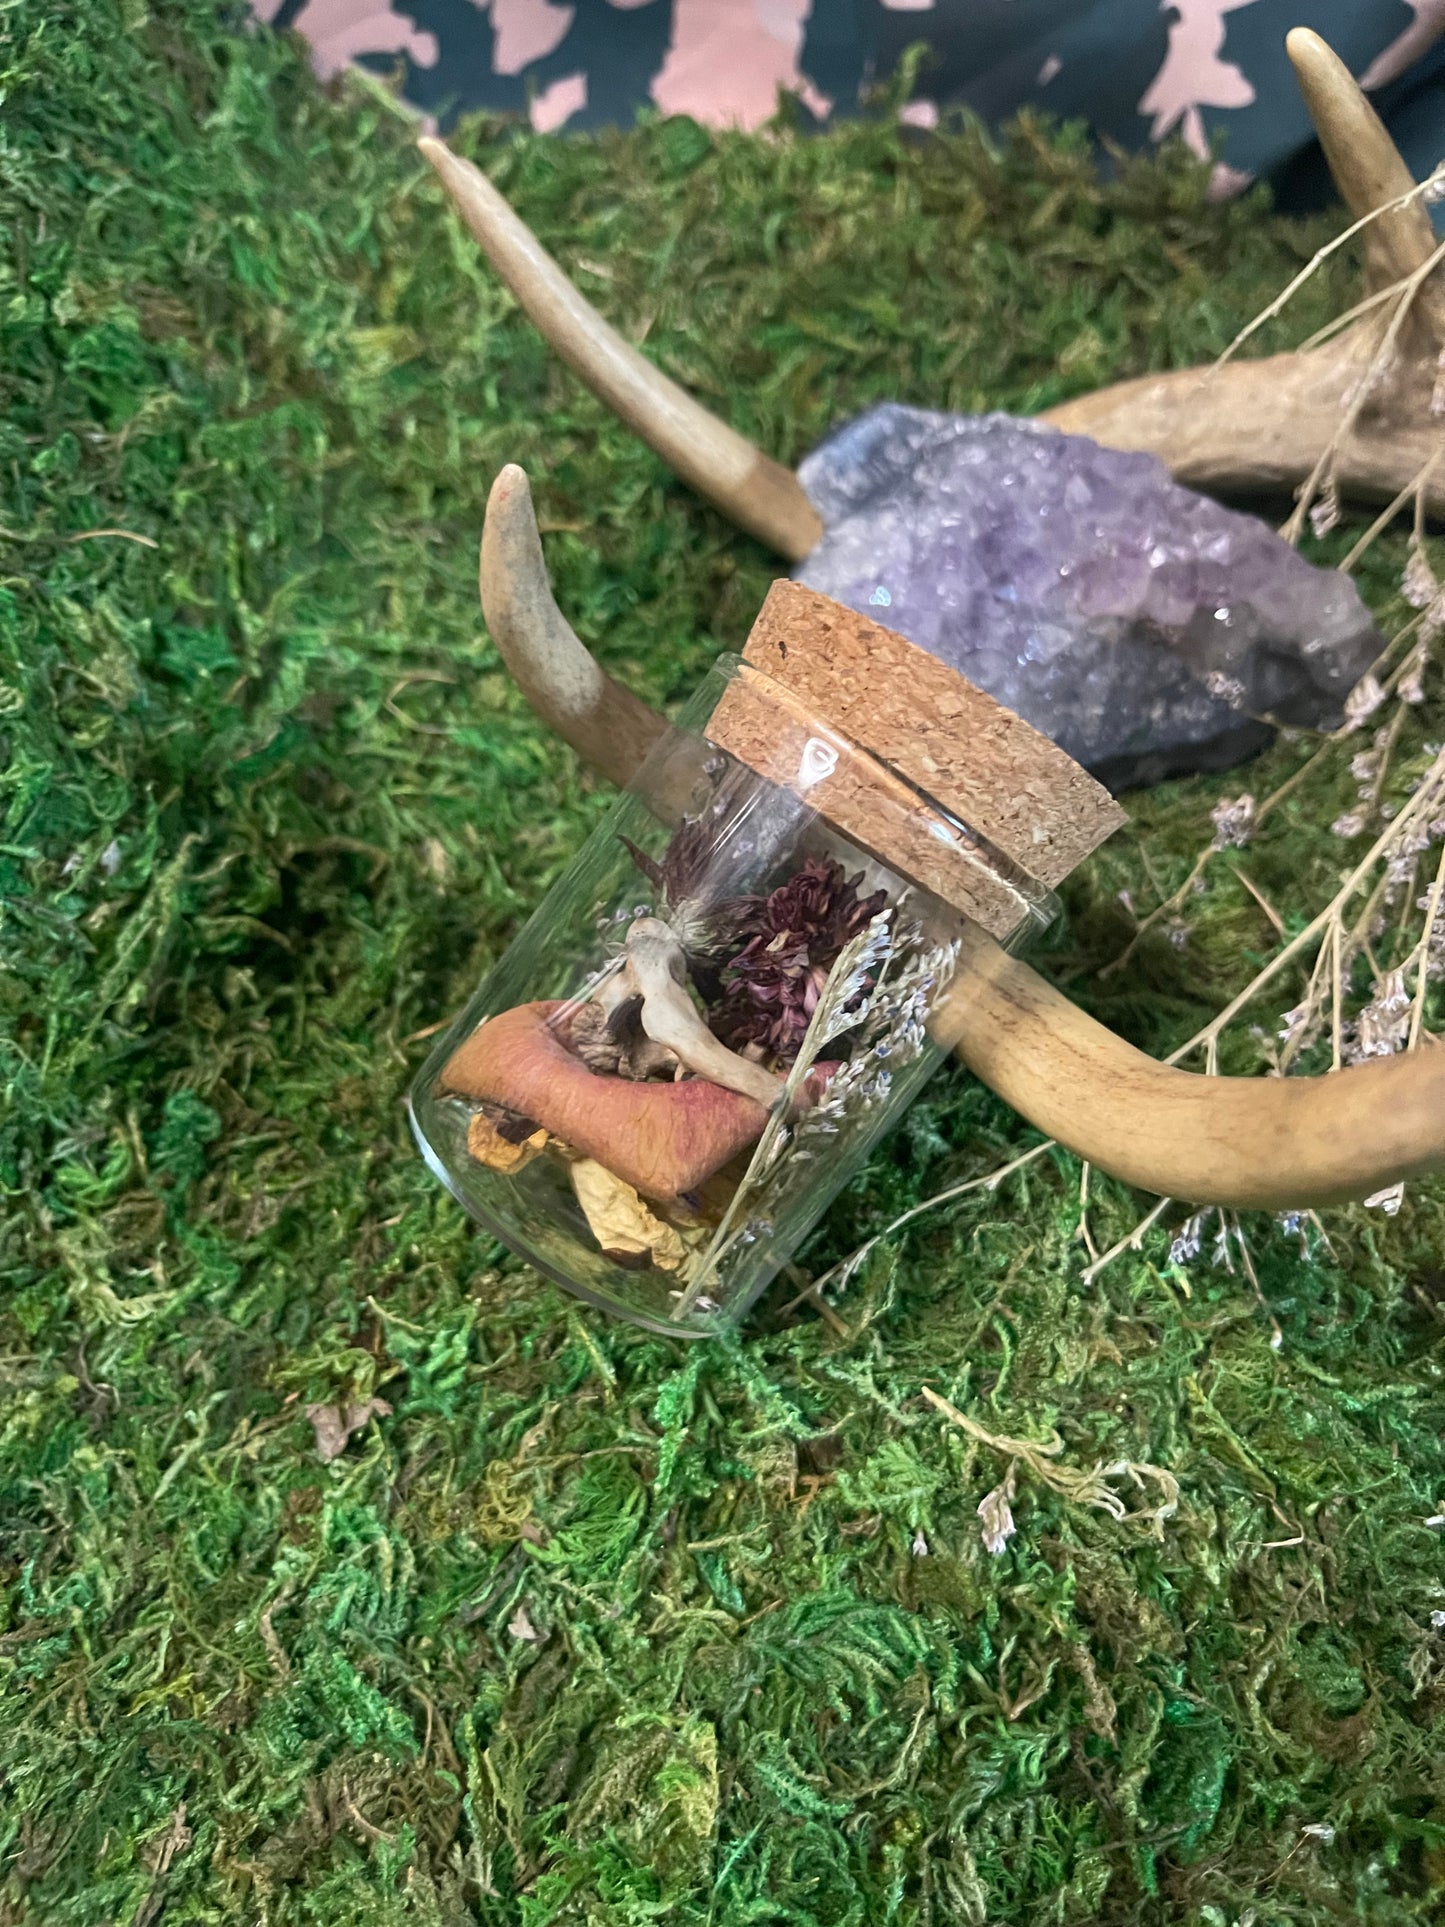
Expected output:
{"points": [[980, 761], [773, 732]]}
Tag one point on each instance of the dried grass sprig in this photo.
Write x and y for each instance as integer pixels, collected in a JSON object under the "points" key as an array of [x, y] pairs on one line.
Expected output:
{"points": [[1090, 1487]]}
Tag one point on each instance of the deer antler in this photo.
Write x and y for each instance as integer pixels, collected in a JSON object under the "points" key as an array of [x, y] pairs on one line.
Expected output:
{"points": [[749, 487], [1355, 413], [1274, 1143]]}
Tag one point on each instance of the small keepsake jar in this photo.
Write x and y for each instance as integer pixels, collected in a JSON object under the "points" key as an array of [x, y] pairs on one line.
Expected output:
{"points": [[744, 977]]}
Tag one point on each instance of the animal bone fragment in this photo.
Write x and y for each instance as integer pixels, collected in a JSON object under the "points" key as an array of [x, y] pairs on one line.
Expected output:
{"points": [[658, 968]]}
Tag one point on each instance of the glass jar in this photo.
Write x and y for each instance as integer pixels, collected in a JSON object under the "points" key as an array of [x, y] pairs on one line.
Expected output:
{"points": [[736, 987]]}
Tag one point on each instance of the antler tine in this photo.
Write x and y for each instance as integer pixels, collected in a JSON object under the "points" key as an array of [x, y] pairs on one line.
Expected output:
{"points": [[1365, 162], [748, 486], [1273, 1143], [607, 725]]}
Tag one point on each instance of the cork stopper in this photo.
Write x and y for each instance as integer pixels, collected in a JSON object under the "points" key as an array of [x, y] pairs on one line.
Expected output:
{"points": [[910, 759]]}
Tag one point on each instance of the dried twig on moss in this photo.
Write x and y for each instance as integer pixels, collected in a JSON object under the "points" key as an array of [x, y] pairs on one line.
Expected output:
{"points": [[1094, 1487]]}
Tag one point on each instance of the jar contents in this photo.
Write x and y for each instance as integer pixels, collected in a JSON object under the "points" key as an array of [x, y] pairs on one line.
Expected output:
{"points": [[719, 1019]]}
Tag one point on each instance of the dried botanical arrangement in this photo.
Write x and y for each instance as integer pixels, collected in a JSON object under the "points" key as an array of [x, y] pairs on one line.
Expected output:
{"points": [[729, 1036], [699, 1073], [880, 994]]}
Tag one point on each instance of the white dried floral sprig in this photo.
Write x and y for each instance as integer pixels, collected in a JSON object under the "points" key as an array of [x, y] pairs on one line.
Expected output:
{"points": [[1363, 700], [1382, 1026], [1233, 822]]}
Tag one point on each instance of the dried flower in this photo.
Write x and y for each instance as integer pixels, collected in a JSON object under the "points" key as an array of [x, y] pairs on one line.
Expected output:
{"points": [[1381, 1027], [1325, 512], [1233, 821], [1188, 1240], [691, 878], [1419, 585], [1363, 700], [1296, 1024], [996, 1515], [1411, 686], [774, 982]]}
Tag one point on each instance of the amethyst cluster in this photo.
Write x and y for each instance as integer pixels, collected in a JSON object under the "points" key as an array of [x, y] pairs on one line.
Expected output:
{"points": [[1142, 626]]}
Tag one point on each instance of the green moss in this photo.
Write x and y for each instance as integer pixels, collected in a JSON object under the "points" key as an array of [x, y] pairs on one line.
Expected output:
{"points": [[589, 1629]]}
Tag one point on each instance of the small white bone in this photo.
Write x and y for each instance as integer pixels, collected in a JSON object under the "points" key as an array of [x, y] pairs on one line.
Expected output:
{"points": [[658, 967]]}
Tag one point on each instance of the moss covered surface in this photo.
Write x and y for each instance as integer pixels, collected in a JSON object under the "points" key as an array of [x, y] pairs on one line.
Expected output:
{"points": [[590, 1627]]}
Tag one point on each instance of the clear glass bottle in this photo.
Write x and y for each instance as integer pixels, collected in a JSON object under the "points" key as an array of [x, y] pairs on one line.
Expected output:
{"points": [[715, 1013]]}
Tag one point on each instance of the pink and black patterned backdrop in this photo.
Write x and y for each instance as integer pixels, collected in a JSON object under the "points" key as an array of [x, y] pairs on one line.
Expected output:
{"points": [[1213, 72]]}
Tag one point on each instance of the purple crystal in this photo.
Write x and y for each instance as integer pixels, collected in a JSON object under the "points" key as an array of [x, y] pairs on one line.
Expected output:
{"points": [[1143, 627]]}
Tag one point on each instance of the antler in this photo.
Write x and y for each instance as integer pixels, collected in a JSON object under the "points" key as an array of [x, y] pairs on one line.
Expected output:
{"points": [[607, 725], [749, 487], [1355, 412], [1274, 1143]]}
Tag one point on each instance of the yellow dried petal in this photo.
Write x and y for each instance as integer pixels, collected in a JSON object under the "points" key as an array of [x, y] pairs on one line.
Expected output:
{"points": [[620, 1221], [489, 1147]]}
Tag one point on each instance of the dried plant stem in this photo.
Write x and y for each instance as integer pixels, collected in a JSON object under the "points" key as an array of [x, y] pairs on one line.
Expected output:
{"points": [[1429, 794], [1364, 387], [1130, 1243], [1420, 956], [1088, 1488], [1164, 909], [1387, 752], [1082, 1230], [1275, 919], [1413, 491], [1318, 259], [846, 1267], [1246, 1259], [1337, 1056], [1338, 325], [1214, 849]]}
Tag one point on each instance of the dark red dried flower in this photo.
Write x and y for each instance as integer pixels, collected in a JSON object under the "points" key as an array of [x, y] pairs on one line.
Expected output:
{"points": [[709, 926], [773, 983]]}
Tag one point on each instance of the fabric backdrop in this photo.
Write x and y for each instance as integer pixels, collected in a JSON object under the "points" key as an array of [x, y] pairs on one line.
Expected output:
{"points": [[1138, 71]]}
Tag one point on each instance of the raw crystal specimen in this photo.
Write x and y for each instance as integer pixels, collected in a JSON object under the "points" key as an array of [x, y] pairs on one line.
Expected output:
{"points": [[1143, 627]]}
